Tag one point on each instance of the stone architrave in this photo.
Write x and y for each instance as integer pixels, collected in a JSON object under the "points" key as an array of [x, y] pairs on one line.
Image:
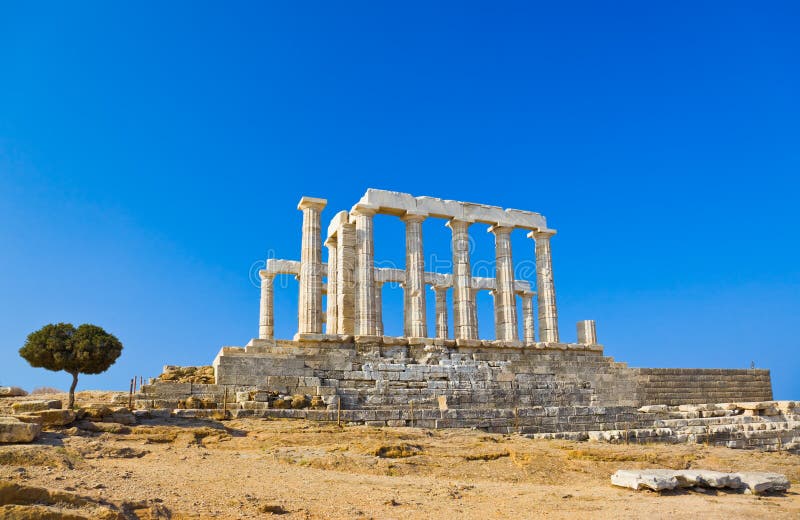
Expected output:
{"points": [[441, 311], [414, 289], [527, 317], [545, 287], [365, 270], [505, 301], [266, 322], [345, 278], [310, 299], [332, 299]]}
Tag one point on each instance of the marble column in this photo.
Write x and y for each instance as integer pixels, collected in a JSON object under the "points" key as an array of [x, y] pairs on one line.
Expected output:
{"points": [[332, 318], [463, 297], [414, 289], [545, 287], [379, 308], [587, 332], [527, 316], [345, 278], [505, 301], [365, 270], [266, 321], [310, 300], [441, 311]]}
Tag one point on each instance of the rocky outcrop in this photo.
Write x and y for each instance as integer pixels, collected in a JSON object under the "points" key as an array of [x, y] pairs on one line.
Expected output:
{"points": [[667, 479], [14, 430]]}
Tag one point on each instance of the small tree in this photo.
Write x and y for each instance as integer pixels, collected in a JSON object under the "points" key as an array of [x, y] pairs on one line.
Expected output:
{"points": [[85, 350]]}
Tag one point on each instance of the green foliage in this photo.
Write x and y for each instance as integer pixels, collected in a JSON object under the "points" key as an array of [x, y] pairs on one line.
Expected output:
{"points": [[86, 350]]}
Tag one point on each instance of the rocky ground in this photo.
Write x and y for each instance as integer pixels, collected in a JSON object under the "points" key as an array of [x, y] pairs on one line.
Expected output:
{"points": [[254, 468]]}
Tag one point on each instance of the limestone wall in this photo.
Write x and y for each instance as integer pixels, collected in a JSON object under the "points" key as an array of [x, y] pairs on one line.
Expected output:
{"points": [[675, 386], [380, 375]]}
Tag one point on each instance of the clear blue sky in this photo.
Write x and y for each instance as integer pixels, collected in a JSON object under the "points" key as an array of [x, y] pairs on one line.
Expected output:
{"points": [[151, 153]]}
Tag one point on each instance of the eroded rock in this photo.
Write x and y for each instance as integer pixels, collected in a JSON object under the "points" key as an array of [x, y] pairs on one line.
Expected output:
{"points": [[14, 430], [35, 406], [653, 479]]}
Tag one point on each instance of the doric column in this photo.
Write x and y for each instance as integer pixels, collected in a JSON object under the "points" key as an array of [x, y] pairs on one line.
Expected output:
{"points": [[345, 278], [527, 316], [545, 287], [463, 298], [441, 311], [414, 289], [310, 300], [379, 308], [365, 270], [505, 301], [266, 321], [332, 322]]}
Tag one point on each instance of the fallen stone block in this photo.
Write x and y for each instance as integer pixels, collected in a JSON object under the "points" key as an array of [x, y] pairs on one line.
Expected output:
{"points": [[655, 480], [35, 406], [707, 478], [54, 417], [12, 391], [14, 430], [759, 483]]}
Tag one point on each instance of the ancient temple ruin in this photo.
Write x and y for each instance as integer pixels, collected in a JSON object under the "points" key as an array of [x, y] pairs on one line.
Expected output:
{"points": [[341, 366], [353, 283]]}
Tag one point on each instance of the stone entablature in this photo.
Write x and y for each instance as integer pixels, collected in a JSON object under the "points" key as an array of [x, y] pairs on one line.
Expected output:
{"points": [[353, 287]]}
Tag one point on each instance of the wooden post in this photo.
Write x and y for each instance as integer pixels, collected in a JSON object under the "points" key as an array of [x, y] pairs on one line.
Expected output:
{"points": [[338, 411], [411, 404], [225, 403]]}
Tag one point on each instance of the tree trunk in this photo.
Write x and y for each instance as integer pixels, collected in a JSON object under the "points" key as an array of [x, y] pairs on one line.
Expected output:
{"points": [[71, 404]]}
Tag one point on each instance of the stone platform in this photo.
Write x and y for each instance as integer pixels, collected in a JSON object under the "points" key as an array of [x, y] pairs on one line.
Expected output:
{"points": [[357, 373]]}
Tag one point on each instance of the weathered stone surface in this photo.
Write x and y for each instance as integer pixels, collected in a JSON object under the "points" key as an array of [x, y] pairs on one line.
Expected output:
{"points": [[12, 391], [654, 408], [14, 430], [655, 480], [54, 417], [34, 406], [665, 479], [707, 478], [760, 483]]}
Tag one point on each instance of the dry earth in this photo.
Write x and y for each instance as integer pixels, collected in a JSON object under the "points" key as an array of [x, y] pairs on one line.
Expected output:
{"points": [[295, 469]]}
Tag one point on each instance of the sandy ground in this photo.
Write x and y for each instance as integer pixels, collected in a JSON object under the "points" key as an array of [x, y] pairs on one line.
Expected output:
{"points": [[247, 468]]}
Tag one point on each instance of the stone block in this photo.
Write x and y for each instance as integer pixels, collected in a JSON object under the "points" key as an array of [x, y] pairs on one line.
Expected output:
{"points": [[54, 417], [14, 430], [35, 406]]}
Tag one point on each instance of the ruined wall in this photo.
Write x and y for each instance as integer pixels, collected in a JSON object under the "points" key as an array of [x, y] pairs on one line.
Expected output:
{"points": [[675, 386], [381, 376]]}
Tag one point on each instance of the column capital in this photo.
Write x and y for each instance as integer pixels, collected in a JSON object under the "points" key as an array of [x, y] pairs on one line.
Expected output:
{"points": [[312, 202], [266, 275], [366, 210], [331, 241], [541, 233], [414, 216], [458, 223], [439, 288], [501, 229], [527, 294]]}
